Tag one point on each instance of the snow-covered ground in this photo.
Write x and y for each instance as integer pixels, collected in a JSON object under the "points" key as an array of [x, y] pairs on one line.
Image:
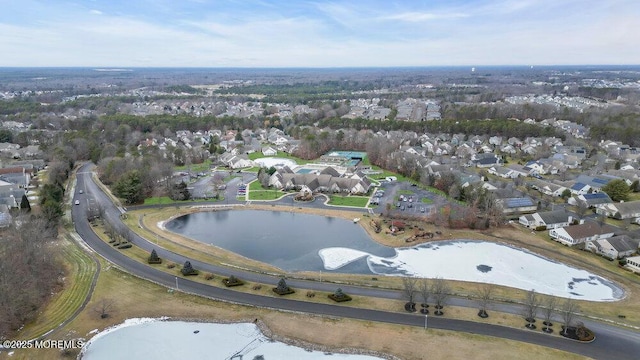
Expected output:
{"points": [[275, 162], [483, 262], [158, 340]]}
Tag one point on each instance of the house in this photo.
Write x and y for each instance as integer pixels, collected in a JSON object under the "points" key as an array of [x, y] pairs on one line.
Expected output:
{"points": [[633, 264], [623, 210], [269, 151], [503, 172], [327, 180], [616, 247], [547, 188], [511, 206], [595, 182], [236, 161], [547, 219], [580, 188], [578, 234], [590, 200], [486, 161]]}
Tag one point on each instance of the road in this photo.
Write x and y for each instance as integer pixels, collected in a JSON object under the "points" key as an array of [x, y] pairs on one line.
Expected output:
{"points": [[611, 342]]}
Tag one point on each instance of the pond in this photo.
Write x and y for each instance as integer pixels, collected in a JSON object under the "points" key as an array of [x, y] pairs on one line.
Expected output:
{"points": [[303, 242], [287, 240], [160, 340]]}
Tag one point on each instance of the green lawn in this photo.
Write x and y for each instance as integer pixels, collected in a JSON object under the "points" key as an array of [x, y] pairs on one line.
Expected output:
{"points": [[426, 200], [203, 167], [257, 192], [355, 201]]}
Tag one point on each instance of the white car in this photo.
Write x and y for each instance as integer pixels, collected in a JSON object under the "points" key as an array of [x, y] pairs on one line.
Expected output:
{"points": [[77, 202]]}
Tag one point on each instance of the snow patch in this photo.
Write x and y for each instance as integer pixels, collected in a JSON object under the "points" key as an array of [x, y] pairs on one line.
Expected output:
{"points": [[337, 257]]}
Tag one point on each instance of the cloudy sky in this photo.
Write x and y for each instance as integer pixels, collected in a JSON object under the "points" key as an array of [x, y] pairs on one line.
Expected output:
{"points": [[317, 33]]}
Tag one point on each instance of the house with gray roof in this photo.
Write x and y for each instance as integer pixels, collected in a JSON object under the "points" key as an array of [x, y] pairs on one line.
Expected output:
{"points": [[616, 247], [579, 234], [546, 219], [623, 210], [590, 200], [521, 205]]}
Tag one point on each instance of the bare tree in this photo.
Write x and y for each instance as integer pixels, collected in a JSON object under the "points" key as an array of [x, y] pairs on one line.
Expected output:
{"points": [[104, 308], [569, 310], [440, 291], [484, 292], [549, 310], [424, 287], [531, 305], [409, 291]]}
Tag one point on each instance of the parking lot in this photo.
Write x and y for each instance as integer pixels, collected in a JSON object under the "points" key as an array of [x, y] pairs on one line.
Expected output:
{"points": [[407, 199]]}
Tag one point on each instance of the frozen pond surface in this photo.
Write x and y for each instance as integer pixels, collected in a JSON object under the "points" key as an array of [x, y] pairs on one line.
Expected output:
{"points": [[303, 242], [158, 340], [484, 262]]}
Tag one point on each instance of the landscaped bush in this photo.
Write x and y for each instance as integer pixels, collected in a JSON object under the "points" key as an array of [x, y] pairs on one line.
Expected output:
{"points": [[283, 288], [209, 277], [339, 296], [125, 246], [232, 281], [541, 228], [188, 270], [580, 333], [154, 258], [171, 266]]}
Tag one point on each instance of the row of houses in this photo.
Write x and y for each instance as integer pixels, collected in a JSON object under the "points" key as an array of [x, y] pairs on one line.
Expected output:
{"points": [[328, 180], [597, 237]]}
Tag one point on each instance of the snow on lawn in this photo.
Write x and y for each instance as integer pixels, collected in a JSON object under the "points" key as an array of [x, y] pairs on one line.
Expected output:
{"points": [[275, 162], [144, 339], [486, 262], [337, 257]]}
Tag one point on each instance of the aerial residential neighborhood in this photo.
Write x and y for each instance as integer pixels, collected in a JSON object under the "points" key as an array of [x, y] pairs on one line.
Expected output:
{"points": [[358, 180]]}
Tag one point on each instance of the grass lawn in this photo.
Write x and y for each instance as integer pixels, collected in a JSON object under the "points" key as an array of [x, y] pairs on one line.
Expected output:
{"points": [[355, 201], [80, 269], [426, 200], [203, 167], [257, 192]]}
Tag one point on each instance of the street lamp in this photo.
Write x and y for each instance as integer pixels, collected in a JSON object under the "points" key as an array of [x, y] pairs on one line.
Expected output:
{"points": [[179, 289], [425, 321]]}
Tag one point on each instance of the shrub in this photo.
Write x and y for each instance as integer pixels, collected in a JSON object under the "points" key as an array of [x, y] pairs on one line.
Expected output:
{"points": [[283, 288], [339, 296], [154, 258], [188, 270], [541, 228], [125, 246], [171, 266], [232, 281], [209, 277], [622, 262]]}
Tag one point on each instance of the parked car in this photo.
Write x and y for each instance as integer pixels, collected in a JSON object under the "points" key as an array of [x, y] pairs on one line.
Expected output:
{"points": [[81, 191], [422, 209], [77, 202]]}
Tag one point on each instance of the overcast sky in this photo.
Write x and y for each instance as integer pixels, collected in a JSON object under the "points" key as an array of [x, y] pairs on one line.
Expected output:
{"points": [[301, 33]]}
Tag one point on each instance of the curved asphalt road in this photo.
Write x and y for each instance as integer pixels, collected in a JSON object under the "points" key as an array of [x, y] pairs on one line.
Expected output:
{"points": [[611, 342]]}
